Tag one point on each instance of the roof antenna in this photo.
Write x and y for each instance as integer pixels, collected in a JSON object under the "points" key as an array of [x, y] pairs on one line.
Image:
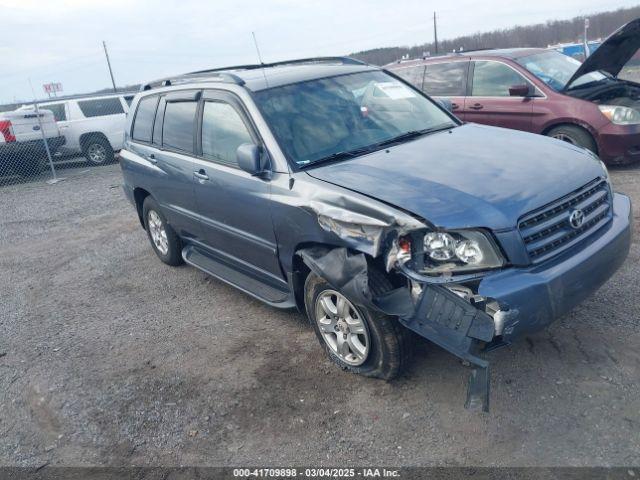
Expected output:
{"points": [[255, 42]]}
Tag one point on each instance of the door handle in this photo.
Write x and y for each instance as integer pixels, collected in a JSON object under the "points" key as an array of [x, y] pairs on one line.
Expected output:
{"points": [[201, 174], [454, 106], [476, 106], [152, 158]]}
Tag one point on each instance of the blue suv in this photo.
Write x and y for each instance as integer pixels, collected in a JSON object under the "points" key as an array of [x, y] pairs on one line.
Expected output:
{"points": [[335, 187]]}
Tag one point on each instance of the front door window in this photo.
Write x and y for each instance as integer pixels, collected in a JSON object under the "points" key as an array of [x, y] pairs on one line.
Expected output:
{"points": [[493, 79]]}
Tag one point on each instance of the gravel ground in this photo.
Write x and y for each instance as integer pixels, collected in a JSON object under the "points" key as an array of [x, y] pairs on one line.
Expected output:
{"points": [[109, 357]]}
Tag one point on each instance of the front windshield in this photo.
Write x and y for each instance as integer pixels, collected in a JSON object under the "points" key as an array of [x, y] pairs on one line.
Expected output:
{"points": [[331, 117], [556, 69]]}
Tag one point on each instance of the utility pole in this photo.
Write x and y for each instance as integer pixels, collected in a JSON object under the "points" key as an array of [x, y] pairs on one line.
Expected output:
{"points": [[106, 54], [435, 33], [586, 38]]}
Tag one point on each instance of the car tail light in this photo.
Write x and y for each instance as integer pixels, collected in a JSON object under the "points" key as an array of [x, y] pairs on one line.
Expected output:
{"points": [[7, 131]]}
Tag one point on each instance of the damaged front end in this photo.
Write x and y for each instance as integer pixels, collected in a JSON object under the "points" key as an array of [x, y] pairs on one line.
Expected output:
{"points": [[438, 299], [455, 288]]}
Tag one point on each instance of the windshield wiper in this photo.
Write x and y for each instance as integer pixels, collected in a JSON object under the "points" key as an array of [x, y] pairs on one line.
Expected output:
{"points": [[334, 157], [414, 134]]}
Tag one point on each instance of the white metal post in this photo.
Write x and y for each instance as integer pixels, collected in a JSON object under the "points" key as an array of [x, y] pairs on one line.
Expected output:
{"points": [[55, 179]]}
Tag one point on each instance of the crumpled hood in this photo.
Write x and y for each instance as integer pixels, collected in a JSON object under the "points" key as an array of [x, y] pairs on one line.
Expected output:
{"points": [[613, 54], [470, 176]]}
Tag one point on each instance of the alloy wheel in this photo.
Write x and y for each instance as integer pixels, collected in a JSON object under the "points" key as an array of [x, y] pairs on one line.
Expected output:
{"points": [[97, 153], [343, 327], [565, 138], [158, 232]]}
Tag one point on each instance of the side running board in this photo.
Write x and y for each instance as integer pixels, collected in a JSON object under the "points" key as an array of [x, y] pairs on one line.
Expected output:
{"points": [[275, 295]]}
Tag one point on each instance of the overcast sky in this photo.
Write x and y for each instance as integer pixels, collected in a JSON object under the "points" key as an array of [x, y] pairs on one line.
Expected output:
{"points": [[61, 40]]}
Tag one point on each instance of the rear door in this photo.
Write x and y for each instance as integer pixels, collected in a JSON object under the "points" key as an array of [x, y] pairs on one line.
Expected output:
{"points": [[414, 74], [233, 205], [490, 102], [163, 135], [105, 115], [448, 80]]}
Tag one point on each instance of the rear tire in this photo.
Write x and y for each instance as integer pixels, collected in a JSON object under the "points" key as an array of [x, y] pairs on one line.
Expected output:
{"points": [[574, 135], [97, 150], [164, 240], [388, 345]]}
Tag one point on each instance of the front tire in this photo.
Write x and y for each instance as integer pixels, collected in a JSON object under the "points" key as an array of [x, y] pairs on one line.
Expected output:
{"points": [[358, 339], [164, 240], [574, 135]]}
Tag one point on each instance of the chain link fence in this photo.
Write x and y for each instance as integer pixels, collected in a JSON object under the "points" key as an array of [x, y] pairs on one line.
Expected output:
{"points": [[38, 141]]}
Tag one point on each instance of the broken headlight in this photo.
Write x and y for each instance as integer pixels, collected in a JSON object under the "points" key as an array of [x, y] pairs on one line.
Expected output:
{"points": [[452, 251]]}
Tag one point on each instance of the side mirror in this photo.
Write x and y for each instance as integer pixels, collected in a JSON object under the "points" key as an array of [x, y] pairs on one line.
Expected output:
{"points": [[523, 90], [446, 104], [248, 157]]}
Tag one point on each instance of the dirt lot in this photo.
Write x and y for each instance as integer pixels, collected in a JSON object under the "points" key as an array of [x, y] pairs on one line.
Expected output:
{"points": [[109, 357]]}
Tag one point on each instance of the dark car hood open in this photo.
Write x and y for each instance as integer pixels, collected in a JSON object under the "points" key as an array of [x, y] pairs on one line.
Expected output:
{"points": [[613, 54], [471, 176]]}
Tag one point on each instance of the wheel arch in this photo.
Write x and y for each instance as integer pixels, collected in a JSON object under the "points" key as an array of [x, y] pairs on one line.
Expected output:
{"points": [[300, 270], [561, 122], [139, 195], [85, 137]]}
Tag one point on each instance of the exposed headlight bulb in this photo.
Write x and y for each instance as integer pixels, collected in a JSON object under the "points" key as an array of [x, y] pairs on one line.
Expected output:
{"points": [[439, 245], [404, 249]]}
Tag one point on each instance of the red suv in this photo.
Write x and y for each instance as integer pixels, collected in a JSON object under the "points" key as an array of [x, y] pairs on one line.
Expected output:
{"points": [[594, 104]]}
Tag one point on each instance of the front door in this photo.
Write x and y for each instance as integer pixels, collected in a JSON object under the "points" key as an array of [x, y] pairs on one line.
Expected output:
{"points": [[62, 117], [490, 102], [233, 204]]}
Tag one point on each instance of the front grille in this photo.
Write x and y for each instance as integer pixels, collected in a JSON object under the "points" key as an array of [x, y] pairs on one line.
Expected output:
{"points": [[547, 231]]}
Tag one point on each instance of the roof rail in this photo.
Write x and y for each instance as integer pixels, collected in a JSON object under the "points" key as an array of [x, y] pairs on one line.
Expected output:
{"points": [[191, 77], [311, 60], [223, 74], [484, 49]]}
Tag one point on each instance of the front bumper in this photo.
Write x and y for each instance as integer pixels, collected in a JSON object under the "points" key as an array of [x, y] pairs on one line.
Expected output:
{"points": [[619, 144], [531, 298]]}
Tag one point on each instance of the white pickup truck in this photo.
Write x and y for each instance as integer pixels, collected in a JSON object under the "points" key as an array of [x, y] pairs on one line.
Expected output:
{"points": [[92, 126], [22, 149]]}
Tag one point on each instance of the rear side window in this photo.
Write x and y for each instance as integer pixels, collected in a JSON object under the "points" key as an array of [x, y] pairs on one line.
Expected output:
{"points": [[493, 79], [100, 107], [223, 131], [179, 125], [446, 79], [143, 122], [59, 112], [413, 75]]}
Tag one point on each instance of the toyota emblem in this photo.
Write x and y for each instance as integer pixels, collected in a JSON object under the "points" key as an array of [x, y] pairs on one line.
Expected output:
{"points": [[576, 219]]}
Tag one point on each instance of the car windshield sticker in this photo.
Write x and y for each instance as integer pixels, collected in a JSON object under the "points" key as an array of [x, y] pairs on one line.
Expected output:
{"points": [[394, 90]]}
